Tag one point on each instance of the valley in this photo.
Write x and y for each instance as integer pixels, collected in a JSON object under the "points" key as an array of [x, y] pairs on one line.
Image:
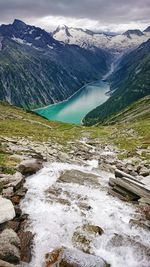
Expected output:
{"points": [[72, 195], [77, 106]]}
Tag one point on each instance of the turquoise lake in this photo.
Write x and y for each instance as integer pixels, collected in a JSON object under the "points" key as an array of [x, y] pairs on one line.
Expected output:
{"points": [[74, 109]]}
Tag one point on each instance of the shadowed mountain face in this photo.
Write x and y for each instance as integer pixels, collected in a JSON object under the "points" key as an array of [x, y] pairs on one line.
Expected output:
{"points": [[36, 69], [130, 82]]}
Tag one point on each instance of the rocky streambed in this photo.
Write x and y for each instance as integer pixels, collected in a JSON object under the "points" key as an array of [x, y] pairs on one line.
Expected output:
{"points": [[64, 215]]}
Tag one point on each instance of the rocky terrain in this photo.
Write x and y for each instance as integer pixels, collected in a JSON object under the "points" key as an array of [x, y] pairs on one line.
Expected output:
{"points": [[88, 212]]}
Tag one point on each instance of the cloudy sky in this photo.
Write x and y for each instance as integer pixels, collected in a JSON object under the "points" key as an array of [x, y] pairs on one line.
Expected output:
{"points": [[113, 15]]}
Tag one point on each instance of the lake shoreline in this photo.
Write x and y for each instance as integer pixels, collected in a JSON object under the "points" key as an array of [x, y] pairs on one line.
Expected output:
{"points": [[75, 108]]}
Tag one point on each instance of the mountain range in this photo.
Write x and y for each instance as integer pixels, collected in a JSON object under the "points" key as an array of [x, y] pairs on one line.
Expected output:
{"points": [[110, 41], [38, 68]]}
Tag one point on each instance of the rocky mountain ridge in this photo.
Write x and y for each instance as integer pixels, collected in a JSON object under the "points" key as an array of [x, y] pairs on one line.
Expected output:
{"points": [[110, 41], [37, 70]]}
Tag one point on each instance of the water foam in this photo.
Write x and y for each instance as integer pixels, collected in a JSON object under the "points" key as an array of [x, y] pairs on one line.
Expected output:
{"points": [[53, 223]]}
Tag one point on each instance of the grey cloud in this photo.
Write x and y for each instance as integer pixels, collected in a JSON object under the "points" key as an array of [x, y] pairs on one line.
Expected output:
{"points": [[105, 11]]}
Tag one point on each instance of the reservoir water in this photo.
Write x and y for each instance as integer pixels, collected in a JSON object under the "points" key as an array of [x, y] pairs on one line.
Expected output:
{"points": [[77, 106]]}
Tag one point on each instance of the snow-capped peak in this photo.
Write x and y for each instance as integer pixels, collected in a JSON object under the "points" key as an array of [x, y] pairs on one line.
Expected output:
{"points": [[87, 38], [62, 30]]}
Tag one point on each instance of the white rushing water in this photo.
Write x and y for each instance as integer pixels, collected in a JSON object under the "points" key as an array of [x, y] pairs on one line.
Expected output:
{"points": [[54, 223]]}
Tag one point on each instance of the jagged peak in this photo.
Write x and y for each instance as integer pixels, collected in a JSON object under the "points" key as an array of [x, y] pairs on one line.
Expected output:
{"points": [[147, 29], [63, 28], [19, 23], [135, 31]]}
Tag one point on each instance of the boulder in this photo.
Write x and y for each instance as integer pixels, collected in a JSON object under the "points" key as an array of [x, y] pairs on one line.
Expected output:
{"points": [[140, 249], [26, 243], [9, 246], [64, 257], [7, 211], [15, 181], [85, 235], [31, 166], [78, 177], [7, 264]]}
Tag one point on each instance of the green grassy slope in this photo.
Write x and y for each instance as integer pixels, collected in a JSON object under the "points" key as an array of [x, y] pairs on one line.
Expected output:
{"points": [[139, 110], [18, 123], [131, 82]]}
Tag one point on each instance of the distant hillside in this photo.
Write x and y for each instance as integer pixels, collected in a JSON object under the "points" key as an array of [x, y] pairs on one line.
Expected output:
{"points": [[130, 82], [139, 110]]}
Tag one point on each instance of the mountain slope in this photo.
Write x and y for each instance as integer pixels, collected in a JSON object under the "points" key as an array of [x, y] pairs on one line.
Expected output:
{"points": [[23, 128], [113, 42], [37, 70], [137, 111], [130, 82]]}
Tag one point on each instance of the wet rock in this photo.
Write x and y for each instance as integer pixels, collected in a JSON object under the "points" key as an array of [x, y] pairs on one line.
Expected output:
{"points": [[145, 210], [84, 206], [15, 200], [8, 192], [14, 181], [14, 225], [53, 257], [139, 224], [78, 177], [7, 264], [143, 201], [31, 166], [9, 246], [64, 257], [139, 248], [54, 195], [21, 192], [7, 211], [26, 239], [85, 235], [18, 211]]}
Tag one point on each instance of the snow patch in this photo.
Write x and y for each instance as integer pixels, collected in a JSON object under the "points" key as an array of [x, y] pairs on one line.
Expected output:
{"points": [[21, 41]]}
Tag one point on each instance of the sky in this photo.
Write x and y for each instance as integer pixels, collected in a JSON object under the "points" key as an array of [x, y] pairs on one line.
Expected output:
{"points": [[107, 15]]}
